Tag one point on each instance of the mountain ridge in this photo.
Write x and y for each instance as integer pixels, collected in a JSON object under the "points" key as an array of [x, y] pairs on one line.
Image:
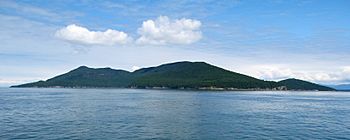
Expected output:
{"points": [[177, 75]]}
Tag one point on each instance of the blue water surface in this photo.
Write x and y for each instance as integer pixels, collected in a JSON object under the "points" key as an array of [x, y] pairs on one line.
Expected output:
{"points": [[39, 113]]}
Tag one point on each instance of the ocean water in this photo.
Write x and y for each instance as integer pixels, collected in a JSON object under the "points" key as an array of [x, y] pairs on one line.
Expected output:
{"points": [[172, 114]]}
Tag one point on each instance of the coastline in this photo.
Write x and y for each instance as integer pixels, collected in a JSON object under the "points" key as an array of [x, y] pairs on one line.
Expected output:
{"points": [[181, 89]]}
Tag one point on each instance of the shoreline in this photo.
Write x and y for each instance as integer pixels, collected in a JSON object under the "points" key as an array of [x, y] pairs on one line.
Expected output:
{"points": [[180, 89]]}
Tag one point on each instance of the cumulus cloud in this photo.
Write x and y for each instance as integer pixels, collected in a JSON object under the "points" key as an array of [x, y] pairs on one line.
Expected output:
{"points": [[81, 35], [161, 31], [164, 31]]}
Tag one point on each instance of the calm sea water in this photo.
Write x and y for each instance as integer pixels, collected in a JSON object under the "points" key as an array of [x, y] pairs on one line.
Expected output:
{"points": [[170, 114]]}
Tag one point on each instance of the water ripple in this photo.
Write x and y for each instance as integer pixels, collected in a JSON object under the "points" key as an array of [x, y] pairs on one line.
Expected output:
{"points": [[162, 114]]}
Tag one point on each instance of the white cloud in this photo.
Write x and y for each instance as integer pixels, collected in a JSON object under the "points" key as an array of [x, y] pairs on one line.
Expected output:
{"points": [[272, 72], [77, 34], [346, 70], [135, 68], [318, 77], [163, 31]]}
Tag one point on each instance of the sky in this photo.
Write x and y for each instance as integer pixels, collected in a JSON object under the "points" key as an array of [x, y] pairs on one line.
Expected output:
{"points": [[270, 39]]}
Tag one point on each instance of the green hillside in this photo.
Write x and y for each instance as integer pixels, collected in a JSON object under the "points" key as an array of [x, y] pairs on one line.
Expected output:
{"points": [[195, 75], [295, 84], [188, 75], [87, 77]]}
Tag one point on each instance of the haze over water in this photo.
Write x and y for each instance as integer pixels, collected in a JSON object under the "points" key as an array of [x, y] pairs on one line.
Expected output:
{"points": [[172, 114]]}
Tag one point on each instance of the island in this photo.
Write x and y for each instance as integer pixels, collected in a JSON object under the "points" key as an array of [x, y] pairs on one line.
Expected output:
{"points": [[178, 75]]}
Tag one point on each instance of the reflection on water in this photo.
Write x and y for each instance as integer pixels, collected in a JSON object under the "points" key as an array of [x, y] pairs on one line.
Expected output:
{"points": [[164, 114]]}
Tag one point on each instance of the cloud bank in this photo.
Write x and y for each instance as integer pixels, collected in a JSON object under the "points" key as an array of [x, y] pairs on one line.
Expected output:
{"points": [[280, 73], [163, 31], [81, 35]]}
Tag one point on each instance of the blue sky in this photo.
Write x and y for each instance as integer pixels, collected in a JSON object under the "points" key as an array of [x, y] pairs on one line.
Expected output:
{"points": [[272, 39]]}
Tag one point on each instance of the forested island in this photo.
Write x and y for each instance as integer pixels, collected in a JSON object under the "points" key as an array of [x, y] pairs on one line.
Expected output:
{"points": [[178, 75]]}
